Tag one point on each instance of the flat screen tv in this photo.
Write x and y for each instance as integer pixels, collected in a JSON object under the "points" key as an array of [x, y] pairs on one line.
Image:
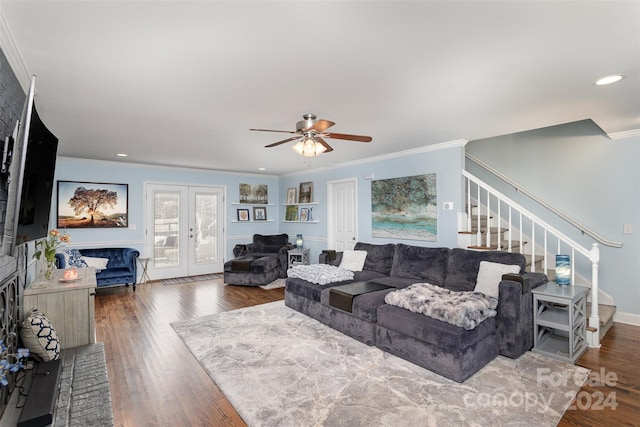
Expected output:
{"points": [[30, 179]]}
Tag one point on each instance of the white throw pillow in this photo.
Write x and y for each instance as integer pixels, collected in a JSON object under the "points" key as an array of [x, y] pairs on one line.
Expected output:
{"points": [[353, 260], [97, 263], [490, 276]]}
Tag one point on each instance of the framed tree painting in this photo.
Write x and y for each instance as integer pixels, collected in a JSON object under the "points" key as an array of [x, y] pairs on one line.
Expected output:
{"points": [[92, 205]]}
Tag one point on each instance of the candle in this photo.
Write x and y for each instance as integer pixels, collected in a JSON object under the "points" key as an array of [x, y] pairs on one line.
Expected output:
{"points": [[70, 274]]}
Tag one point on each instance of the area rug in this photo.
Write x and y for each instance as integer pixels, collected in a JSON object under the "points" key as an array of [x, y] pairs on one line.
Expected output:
{"points": [[189, 279], [278, 367], [278, 283]]}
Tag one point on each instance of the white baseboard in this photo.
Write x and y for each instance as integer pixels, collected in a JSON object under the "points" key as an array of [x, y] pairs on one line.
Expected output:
{"points": [[628, 318]]}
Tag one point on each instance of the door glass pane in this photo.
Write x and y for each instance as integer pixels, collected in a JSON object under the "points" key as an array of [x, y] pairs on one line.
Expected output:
{"points": [[205, 228], [166, 230]]}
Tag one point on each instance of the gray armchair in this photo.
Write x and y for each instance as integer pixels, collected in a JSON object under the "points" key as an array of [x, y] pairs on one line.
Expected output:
{"points": [[274, 245]]}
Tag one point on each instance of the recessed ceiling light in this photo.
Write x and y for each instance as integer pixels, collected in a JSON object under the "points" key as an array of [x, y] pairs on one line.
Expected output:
{"points": [[607, 80], [122, 155], [262, 169]]}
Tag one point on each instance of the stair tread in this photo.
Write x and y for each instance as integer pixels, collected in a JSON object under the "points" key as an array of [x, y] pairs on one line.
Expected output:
{"points": [[605, 312]]}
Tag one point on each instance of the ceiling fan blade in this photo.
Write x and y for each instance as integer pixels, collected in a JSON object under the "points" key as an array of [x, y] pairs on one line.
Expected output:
{"points": [[271, 130], [324, 143], [358, 138], [321, 125], [282, 142]]}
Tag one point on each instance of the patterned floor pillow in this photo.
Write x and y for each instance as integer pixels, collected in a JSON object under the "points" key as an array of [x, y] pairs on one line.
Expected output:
{"points": [[39, 336]]}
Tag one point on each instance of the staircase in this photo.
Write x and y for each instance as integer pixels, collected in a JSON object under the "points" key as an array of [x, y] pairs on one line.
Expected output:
{"points": [[492, 221]]}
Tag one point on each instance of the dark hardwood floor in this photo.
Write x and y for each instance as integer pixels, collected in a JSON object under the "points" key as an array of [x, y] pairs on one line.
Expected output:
{"points": [[155, 381]]}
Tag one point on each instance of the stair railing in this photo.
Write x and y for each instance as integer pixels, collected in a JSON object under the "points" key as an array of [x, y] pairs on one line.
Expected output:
{"points": [[493, 201]]}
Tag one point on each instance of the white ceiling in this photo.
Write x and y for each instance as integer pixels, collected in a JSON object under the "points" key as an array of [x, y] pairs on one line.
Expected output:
{"points": [[181, 82]]}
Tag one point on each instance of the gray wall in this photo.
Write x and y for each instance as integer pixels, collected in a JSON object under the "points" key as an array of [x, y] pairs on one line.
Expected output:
{"points": [[589, 177], [12, 98]]}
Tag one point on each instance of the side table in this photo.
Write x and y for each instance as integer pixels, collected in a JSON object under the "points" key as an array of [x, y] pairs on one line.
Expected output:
{"points": [[69, 305], [298, 257], [559, 321], [144, 263]]}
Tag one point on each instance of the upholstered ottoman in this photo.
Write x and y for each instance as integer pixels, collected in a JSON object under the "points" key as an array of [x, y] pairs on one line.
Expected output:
{"points": [[438, 346], [251, 271]]}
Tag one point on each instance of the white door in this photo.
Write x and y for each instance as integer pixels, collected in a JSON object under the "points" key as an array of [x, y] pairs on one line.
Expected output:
{"points": [[342, 214], [184, 233]]}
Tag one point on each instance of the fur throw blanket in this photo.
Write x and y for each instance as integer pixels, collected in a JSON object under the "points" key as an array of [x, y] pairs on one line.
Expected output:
{"points": [[321, 274], [465, 309]]}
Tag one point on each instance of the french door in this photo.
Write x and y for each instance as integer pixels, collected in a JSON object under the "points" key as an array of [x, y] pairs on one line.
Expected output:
{"points": [[342, 214], [184, 233]]}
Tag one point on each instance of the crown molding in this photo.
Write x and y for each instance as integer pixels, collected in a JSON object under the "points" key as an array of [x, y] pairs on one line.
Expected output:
{"points": [[633, 133], [11, 52], [405, 153]]}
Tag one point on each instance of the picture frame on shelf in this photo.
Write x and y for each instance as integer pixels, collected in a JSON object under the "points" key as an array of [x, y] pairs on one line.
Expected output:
{"points": [[259, 213], [306, 192], [254, 193], [292, 197], [291, 213], [243, 215], [304, 214]]}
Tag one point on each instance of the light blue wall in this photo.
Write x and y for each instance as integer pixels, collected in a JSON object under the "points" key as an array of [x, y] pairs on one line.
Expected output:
{"points": [[137, 176], [586, 175], [445, 160]]}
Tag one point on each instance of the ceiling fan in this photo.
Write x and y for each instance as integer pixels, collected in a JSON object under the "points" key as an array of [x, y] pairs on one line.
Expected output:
{"points": [[311, 132]]}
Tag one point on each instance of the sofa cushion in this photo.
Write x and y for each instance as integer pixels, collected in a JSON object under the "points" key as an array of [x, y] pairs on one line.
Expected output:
{"points": [[367, 275], [462, 272], [98, 263], [269, 243], [420, 263], [435, 332], [353, 260], [490, 276], [379, 257], [308, 290], [73, 258]]}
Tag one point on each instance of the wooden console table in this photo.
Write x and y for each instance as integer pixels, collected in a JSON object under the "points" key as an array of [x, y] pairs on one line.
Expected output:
{"points": [[69, 305]]}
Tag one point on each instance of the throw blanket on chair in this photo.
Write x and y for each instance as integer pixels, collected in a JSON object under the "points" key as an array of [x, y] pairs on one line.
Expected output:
{"points": [[465, 309], [321, 274]]}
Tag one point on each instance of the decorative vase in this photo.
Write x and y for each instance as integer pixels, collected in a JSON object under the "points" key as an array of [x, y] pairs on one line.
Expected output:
{"points": [[48, 270], [299, 241], [563, 270]]}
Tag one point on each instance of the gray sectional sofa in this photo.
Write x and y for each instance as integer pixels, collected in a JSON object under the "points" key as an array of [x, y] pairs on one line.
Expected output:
{"points": [[448, 350]]}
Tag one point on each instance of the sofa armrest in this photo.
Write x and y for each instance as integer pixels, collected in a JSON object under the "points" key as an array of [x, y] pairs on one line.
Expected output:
{"points": [[323, 258], [242, 250], [514, 320], [60, 262], [131, 255], [283, 260]]}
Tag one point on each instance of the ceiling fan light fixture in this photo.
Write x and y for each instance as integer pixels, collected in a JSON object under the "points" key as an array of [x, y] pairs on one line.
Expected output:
{"points": [[308, 147]]}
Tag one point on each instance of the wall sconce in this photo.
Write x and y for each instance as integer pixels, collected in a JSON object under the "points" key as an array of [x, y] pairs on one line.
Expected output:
{"points": [[563, 270]]}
